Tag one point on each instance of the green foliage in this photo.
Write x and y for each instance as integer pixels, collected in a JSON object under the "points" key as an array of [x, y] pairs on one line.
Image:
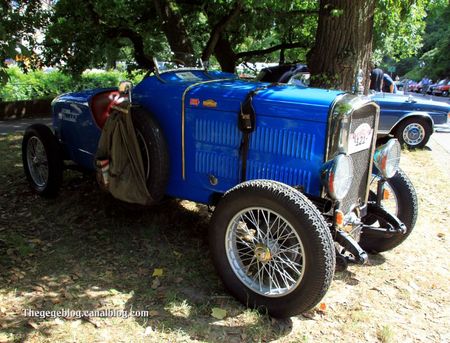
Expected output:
{"points": [[398, 28], [433, 59], [19, 21], [436, 49], [39, 84]]}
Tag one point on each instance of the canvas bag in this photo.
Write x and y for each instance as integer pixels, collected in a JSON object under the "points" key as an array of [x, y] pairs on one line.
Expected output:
{"points": [[118, 144]]}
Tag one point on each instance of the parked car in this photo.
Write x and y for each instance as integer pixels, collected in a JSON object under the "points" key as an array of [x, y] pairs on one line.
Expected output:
{"points": [[411, 86], [411, 120], [293, 173], [442, 89], [434, 85]]}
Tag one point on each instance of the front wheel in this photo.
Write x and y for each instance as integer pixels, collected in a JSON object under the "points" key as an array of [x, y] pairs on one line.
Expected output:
{"points": [[272, 248], [401, 201], [413, 132]]}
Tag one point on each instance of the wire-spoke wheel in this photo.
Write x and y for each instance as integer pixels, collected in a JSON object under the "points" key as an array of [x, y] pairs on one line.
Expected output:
{"points": [[42, 160], [37, 161], [272, 247], [265, 252]]}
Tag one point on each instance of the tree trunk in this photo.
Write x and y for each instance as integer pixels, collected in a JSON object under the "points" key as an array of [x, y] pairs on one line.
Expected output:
{"points": [[225, 55], [174, 28], [343, 44]]}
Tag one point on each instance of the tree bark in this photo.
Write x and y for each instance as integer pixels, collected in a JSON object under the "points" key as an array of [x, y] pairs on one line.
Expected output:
{"points": [[174, 28], [343, 44]]}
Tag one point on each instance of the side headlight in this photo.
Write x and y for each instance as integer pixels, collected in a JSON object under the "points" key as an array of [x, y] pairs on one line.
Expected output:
{"points": [[337, 176], [387, 158]]}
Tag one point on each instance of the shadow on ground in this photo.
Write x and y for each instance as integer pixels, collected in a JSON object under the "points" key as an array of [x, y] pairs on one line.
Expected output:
{"points": [[85, 251]]}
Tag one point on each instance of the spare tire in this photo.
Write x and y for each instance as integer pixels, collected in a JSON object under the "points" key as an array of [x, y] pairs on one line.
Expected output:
{"points": [[154, 152]]}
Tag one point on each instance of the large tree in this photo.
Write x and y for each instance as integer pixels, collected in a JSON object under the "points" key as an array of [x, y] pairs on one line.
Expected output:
{"points": [[343, 43], [97, 33], [231, 31]]}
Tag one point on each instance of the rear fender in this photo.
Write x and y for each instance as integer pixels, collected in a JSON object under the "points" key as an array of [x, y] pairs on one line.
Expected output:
{"points": [[76, 127]]}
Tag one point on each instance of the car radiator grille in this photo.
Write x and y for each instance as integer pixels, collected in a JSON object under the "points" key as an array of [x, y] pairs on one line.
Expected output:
{"points": [[361, 161]]}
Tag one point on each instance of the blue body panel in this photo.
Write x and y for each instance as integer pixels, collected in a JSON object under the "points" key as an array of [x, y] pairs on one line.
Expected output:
{"points": [[287, 145], [395, 107]]}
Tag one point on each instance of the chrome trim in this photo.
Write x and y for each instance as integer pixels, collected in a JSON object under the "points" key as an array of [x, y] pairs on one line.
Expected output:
{"points": [[338, 130], [374, 140]]}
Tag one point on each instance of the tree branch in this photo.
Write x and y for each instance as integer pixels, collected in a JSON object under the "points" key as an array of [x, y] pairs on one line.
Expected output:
{"points": [[269, 50], [138, 44], [218, 29]]}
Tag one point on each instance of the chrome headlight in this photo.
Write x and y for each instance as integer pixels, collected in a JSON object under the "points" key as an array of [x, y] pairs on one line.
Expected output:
{"points": [[387, 158], [337, 176]]}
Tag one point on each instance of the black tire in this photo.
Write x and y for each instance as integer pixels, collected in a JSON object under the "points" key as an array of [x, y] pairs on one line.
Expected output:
{"points": [[39, 136], [445, 93], [310, 228], [413, 123], [154, 152], [407, 212]]}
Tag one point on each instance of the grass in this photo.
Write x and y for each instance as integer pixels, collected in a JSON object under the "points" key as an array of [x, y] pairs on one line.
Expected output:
{"points": [[84, 251]]}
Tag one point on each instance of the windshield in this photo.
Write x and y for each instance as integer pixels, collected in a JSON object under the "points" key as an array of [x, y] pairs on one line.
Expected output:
{"points": [[177, 61]]}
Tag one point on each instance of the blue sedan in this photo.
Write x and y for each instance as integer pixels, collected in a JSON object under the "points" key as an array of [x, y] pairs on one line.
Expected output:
{"points": [[410, 119]]}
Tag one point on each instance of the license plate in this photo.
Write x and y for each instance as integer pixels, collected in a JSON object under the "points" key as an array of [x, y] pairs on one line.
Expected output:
{"points": [[360, 139]]}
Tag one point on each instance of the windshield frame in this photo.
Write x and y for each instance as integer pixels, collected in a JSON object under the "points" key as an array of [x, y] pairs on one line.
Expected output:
{"points": [[158, 71]]}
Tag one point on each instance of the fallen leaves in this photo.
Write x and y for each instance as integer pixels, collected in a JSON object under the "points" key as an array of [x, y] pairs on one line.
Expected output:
{"points": [[156, 283], [218, 313], [158, 272]]}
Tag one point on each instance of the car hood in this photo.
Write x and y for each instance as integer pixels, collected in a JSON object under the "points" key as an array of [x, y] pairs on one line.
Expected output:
{"points": [[274, 100], [387, 100]]}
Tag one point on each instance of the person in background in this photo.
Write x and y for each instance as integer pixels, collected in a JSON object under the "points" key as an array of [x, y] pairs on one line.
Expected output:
{"points": [[388, 84], [376, 78], [426, 82]]}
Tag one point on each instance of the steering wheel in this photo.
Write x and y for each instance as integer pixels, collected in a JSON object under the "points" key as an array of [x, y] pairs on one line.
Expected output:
{"points": [[179, 62]]}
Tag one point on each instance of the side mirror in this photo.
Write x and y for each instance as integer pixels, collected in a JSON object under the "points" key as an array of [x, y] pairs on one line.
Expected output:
{"points": [[125, 88]]}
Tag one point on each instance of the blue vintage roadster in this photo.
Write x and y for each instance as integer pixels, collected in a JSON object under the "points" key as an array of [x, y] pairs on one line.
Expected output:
{"points": [[293, 173]]}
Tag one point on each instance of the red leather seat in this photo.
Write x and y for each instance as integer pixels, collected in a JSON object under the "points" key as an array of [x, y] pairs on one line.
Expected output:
{"points": [[101, 105]]}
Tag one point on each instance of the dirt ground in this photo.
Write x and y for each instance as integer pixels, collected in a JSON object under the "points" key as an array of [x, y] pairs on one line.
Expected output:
{"points": [[85, 251]]}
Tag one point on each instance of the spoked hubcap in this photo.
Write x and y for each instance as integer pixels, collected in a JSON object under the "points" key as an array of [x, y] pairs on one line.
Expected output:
{"points": [[37, 162], [413, 134], [265, 252]]}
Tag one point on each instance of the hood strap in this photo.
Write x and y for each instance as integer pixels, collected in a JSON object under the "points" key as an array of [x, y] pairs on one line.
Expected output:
{"points": [[247, 124]]}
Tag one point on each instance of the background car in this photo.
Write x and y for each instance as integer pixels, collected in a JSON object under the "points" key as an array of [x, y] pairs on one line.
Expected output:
{"points": [[442, 89], [410, 120]]}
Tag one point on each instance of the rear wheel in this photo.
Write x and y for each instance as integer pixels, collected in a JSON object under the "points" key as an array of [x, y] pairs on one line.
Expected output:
{"points": [[42, 161], [154, 152], [413, 132], [272, 248]]}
